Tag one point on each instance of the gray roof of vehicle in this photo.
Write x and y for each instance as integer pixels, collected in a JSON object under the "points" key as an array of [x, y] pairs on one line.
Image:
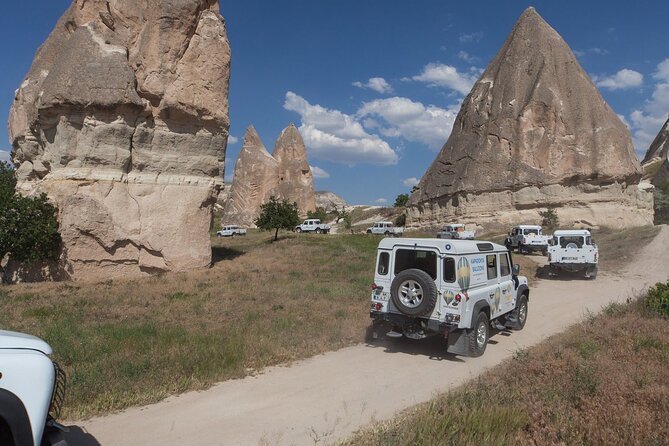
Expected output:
{"points": [[446, 246]]}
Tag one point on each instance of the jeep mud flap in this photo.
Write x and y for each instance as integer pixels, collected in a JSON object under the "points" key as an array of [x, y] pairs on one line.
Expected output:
{"points": [[457, 342]]}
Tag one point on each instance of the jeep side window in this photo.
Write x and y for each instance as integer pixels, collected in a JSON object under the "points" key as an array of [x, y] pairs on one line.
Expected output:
{"points": [[491, 262], [418, 259], [504, 266], [384, 259], [531, 231], [449, 269]]}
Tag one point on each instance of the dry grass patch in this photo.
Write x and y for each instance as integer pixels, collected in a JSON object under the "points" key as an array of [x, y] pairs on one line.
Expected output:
{"points": [[617, 247], [131, 342], [602, 382]]}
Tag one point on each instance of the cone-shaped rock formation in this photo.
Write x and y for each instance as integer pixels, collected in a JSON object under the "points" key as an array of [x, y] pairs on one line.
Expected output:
{"points": [[296, 182], [656, 161], [122, 121], [533, 132]]}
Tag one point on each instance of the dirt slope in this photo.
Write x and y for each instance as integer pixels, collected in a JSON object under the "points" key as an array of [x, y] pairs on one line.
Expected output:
{"points": [[325, 398]]}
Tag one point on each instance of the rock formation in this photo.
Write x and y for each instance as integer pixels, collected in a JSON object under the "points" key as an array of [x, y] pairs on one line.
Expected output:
{"points": [[258, 176], [656, 161], [330, 201], [534, 132], [256, 179], [122, 121]]}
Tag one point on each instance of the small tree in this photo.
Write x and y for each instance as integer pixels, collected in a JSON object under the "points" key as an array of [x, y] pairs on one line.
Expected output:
{"points": [[277, 215], [401, 220], [549, 218], [348, 220], [319, 213], [401, 200]]}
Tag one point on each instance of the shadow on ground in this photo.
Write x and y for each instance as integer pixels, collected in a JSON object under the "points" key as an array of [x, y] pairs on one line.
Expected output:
{"points": [[76, 436], [221, 253]]}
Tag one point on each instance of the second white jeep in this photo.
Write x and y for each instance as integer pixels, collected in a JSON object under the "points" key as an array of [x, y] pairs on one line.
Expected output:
{"points": [[457, 288], [527, 238], [573, 251]]}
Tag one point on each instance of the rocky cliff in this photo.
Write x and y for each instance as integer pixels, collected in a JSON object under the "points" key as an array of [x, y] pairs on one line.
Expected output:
{"points": [[123, 121], [258, 176], [656, 161], [534, 132]]}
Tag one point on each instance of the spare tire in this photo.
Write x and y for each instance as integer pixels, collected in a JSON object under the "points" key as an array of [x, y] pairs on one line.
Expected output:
{"points": [[413, 292]]}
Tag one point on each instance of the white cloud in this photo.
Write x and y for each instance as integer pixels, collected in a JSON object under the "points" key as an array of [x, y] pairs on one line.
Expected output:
{"points": [[411, 182], [622, 80], [377, 84], [624, 120], [232, 140], [441, 75], [4, 155], [472, 37], [319, 173], [335, 136], [648, 119], [381, 200], [464, 55], [411, 120]]}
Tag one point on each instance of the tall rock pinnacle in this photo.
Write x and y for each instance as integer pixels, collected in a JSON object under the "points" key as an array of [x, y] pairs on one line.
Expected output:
{"points": [[657, 157], [296, 182], [535, 131], [122, 121]]}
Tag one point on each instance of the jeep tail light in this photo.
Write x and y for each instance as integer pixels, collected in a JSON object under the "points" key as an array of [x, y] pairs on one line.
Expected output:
{"points": [[374, 286], [377, 306]]}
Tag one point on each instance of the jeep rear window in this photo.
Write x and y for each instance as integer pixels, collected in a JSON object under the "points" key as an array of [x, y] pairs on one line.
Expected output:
{"points": [[449, 269], [531, 231], [577, 240], [491, 262], [384, 259], [418, 259]]}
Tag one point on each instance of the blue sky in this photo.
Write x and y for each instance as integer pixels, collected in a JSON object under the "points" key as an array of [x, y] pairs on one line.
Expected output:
{"points": [[374, 85]]}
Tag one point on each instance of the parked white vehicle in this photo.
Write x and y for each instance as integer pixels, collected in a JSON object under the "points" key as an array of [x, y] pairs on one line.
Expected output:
{"points": [[573, 250], [32, 390], [231, 231], [527, 238], [386, 228], [313, 225], [456, 231], [455, 288]]}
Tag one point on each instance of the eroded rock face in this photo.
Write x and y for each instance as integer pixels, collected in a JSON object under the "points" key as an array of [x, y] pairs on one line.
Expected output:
{"points": [[256, 179], [258, 176], [330, 201], [656, 161], [296, 182], [123, 121], [533, 120]]}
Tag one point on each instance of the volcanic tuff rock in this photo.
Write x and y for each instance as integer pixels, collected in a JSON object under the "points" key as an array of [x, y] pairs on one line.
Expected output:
{"points": [[330, 201], [535, 121], [123, 121], [656, 161], [258, 176]]}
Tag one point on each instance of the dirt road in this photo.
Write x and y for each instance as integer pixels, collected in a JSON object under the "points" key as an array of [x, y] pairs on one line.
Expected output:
{"points": [[326, 398]]}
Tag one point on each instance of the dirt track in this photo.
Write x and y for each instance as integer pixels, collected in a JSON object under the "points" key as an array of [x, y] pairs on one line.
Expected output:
{"points": [[325, 398]]}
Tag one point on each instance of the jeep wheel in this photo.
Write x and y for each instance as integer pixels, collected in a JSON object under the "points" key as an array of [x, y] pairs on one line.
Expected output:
{"points": [[298, 230], [413, 292], [521, 248], [387, 233], [318, 230], [591, 273], [477, 336], [369, 231], [520, 313]]}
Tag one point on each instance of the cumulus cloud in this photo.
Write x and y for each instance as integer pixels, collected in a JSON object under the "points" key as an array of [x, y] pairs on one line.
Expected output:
{"points": [[464, 55], [381, 200], [319, 173], [232, 140], [413, 121], [647, 120], [441, 75], [471, 37], [4, 155], [411, 182], [335, 136], [622, 80], [377, 84]]}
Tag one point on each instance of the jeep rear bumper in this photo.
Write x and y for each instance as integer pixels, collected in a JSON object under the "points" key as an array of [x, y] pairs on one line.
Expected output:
{"points": [[407, 324]]}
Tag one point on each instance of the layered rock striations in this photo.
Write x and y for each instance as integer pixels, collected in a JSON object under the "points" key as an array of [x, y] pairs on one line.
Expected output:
{"points": [[534, 132], [122, 121], [656, 161], [258, 176]]}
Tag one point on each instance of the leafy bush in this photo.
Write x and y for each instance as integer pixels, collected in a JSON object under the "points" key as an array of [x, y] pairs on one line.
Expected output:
{"points": [[401, 220], [319, 213], [401, 200], [657, 300], [277, 215], [662, 204], [549, 218]]}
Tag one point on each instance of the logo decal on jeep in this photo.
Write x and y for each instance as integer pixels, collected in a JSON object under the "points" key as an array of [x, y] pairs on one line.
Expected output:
{"points": [[449, 296], [464, 273], [497, 299]]}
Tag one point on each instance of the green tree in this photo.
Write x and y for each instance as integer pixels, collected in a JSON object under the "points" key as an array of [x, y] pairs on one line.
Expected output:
{"points": [[401, 200], [348, 219], [277, 215], [549, 218], [401, 220], [28, 225], [319, 213]]}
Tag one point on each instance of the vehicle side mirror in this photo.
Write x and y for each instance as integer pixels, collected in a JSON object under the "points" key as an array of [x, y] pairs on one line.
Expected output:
{"points": [[516, 269]]}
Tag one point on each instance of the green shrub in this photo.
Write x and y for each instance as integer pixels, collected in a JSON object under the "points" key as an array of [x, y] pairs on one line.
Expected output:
{"points": [[319, 213], [401, 220], [549, 218], [401, 200], [657, 300]]}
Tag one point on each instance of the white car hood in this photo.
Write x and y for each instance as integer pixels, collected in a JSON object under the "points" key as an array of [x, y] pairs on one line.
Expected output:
{"points": [[14, 340]]}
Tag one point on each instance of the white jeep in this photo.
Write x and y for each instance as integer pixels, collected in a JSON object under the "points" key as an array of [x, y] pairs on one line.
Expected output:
{"points": [[230, 231], [527, 238], [386, 228], [456, 231], [313, 225], [573, 250], [456, 288], [32, 390]]}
